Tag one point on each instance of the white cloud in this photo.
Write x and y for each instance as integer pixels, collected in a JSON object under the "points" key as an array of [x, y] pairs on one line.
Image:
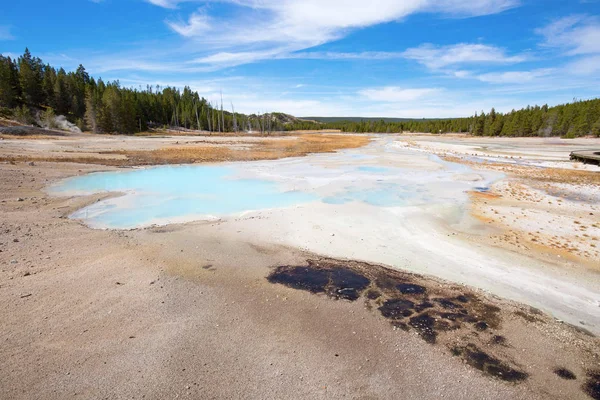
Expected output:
{"points": [[471, 8], [584, 66], [164, 3], [275, 28], [197, 24], [436, 57], [251, 95], [394, 94], [133, 62], [5, 33], [329, 55], [576, 34], [226, 59], [461, 74], [515, 76]]}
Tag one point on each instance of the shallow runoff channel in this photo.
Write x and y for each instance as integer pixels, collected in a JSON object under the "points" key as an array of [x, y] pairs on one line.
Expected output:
{"points": [[381, 203]]}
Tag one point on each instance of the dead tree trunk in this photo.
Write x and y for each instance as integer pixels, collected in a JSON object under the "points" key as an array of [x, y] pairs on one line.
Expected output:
{"points": [[222, 114], [218, 119], [197, 117], [208, 117], [235, 128]]}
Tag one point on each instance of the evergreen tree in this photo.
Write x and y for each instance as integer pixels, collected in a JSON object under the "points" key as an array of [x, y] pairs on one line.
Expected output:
{"points": [[28, 85], [30, 78], [8, 95], [48, 86], [61, 95]]}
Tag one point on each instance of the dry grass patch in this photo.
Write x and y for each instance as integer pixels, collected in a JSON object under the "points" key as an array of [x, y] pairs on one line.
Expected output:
{"points": [[261, 150], [188, 132], [553, 175], [483, 195], [266, 149]]}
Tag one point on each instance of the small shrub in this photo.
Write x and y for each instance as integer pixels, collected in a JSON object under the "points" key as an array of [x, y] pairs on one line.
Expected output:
{"points": [[6, 113], [80, 124], [48, 119], [23, 115]]}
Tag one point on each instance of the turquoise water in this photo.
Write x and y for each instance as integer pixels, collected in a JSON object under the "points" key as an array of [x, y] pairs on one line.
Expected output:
{"points": [[384, 194], [373, 169], [172, 194], [166, 194]]}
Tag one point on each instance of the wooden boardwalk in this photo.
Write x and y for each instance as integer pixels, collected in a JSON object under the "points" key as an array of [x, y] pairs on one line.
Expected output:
{"points": [[587, 157]]}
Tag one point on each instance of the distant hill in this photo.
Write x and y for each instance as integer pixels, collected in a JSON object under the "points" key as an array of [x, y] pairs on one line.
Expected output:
{"points": [[358, 119]]}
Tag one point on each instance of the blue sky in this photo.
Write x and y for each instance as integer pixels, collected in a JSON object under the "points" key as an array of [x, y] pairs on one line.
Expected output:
{"points": [[394, 58]]}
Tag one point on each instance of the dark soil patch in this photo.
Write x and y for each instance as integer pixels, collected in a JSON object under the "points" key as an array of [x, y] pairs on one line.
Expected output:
{"points": [[447, 304], [303, 278], [432, 309], [347, 284], [592, 385], [488, 364], [481, 326], [565, 373], [337, 282], [425, 325], [409, 288], [29, 131], [462, 298], [424, 305], [412, 302], [499, 339], [397, 308]]}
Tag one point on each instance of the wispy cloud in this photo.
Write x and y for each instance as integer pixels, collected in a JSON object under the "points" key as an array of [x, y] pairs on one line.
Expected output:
{"points": [[165, 3], [278, 28], [394, 94], [585, 66], [226, 58], [515, 76], [575, 34], [330, 55], [578, 38], [437, 57], [197, 24]]}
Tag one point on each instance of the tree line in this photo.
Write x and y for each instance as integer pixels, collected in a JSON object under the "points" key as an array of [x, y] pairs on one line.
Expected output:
{"points": [[576, 119], [579, 118], [32, 91]]}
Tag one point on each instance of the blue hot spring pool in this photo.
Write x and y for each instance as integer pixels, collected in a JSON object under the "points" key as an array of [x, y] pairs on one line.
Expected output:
{"points": [[170, 194]]}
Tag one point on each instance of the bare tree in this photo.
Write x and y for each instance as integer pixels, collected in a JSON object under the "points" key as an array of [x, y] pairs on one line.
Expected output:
{"points": [[218, 119], [209, 117], [222, 114], [235, 128], [197, 117]]}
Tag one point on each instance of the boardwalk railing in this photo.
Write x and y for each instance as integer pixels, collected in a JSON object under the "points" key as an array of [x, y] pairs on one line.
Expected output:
{"points": [[587, 156]]}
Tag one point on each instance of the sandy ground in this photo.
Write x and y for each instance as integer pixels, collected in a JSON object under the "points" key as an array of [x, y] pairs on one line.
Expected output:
{"points": [[185, 311]]}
